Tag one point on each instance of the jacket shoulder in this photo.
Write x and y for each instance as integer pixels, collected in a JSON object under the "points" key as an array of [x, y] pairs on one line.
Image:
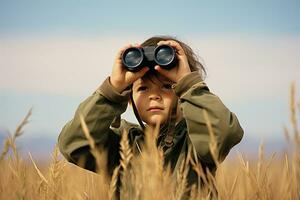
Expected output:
{"points": [[126, 125]]}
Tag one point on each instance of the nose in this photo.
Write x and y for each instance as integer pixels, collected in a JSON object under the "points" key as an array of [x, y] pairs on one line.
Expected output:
{"points": [[155, 95]]}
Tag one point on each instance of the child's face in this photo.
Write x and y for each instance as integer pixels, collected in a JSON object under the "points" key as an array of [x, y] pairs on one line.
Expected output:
{"points": [[153, 97]]}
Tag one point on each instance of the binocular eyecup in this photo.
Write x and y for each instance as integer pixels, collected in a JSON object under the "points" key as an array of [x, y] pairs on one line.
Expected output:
{"points": [[135, 58]]}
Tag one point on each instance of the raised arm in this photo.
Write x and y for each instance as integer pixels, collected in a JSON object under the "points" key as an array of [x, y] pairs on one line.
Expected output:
{"points": [[194, 98], [99, 111]]}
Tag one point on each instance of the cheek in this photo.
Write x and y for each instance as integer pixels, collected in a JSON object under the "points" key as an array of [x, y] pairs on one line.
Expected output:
{"points": [[139, 100], [169, 98]]}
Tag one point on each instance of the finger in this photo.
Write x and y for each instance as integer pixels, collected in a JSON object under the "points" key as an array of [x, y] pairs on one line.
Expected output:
{"points": [[120, 52], [169, 42], [137, 45], [173, 44], [118, 59], [141, 73], [162, 71], [163, 42]]}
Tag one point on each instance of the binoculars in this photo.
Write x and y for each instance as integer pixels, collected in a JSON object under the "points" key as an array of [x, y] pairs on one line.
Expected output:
{"points": [[135, 58]]}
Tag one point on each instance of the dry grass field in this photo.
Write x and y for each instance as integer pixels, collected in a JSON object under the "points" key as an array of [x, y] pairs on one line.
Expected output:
{"points": [[272, 177]]}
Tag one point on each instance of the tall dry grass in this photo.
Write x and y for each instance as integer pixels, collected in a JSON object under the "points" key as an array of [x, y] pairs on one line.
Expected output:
{"points": [[144, 177]]}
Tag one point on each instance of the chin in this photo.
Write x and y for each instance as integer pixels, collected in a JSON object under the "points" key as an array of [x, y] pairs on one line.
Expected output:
{"points": [[154, 120]]}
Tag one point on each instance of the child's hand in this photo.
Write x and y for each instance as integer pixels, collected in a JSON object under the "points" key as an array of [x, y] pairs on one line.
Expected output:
{"points": [[183, 68], [121, 78]]}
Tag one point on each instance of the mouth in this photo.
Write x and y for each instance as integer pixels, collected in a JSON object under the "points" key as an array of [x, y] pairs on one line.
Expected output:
{"points": [[155, 109]]}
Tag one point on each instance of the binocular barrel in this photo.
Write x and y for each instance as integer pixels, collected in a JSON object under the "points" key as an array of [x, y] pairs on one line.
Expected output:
{"points": [[135, 58]]}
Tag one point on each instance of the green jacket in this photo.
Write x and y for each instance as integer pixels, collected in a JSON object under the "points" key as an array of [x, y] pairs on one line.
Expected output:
{"points": [[105, 105]]}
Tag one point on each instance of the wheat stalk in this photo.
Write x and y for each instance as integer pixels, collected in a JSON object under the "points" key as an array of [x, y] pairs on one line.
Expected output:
{"points": [[285, 189], [260, 160], [125, 152], [113, 184], [37, 170], [286, 133], [126, 176], [233, 187], [55, 173], [181, 188], [100, 157], [10, 141], [248, 173], [262, 178], [5, 149], [18, 169], [213, 145], [293, 115]]}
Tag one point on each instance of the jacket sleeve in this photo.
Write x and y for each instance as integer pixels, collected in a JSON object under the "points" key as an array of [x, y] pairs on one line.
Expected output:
{"points": [[195, 97], [99, 111]]}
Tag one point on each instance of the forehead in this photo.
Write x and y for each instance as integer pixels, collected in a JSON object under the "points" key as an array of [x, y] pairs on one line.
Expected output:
{"points": [[150, 78]]}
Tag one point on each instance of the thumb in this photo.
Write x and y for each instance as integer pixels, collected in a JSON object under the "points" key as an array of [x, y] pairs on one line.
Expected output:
{"points": [[141, 73], [161, 70]]}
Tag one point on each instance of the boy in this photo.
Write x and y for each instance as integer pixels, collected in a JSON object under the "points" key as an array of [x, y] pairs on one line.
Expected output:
{"points": [[172, 99]]}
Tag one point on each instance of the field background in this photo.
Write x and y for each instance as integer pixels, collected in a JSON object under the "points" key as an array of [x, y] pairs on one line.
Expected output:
{"points": [[262, 177], [54, 54]]}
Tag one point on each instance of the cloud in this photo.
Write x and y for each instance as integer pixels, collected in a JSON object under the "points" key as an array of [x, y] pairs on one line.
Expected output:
{"points": [[239, 69], [251, 68], [56, 65]]}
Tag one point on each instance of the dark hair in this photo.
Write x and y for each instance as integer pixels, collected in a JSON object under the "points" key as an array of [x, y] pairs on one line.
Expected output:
{"points": [[194, 63]]}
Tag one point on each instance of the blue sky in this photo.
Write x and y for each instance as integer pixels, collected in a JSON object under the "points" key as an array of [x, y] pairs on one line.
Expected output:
{"points": [[174, 17], [53, 54]]}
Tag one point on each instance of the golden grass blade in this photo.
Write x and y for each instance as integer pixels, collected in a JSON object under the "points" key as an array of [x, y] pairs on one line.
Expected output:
{"points": [[100, 157], [286, 134], [87, 132], [199, 171], [258, 177], [248, 173], [213, 146], [19, 129], [113, 184], [15, 173], [194, 193], [293, 115], [125, 151], [268, 164], [5, 149], [50, 186], [287, 180], [233, 187], [10, 141], [212, 184], [182, 179], [260, 160], [37, 169], [55, 174]]}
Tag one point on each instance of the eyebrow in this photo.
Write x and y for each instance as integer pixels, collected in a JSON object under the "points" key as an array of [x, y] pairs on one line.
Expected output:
{"points": [[154, 80], [161, 79], [136, 85]]}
